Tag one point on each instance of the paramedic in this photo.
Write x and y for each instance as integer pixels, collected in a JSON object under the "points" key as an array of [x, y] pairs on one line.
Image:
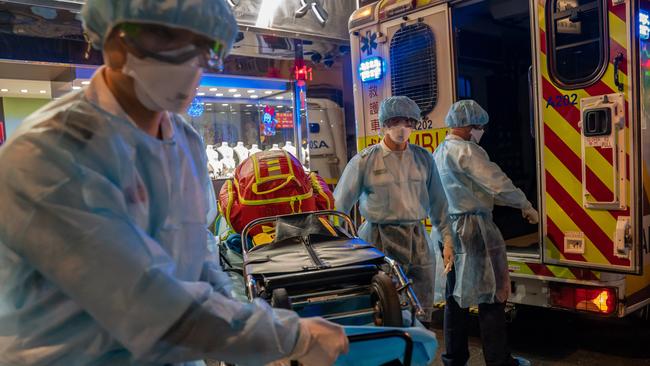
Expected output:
{"points": [[105, 258], [479, 276], [398, 186]]}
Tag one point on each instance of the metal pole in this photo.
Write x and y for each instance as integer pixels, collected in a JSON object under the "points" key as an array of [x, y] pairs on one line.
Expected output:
{"points": [[300, 101]]}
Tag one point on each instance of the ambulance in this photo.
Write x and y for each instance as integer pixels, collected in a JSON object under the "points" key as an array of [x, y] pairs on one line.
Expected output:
{"points": [[567, 86]]}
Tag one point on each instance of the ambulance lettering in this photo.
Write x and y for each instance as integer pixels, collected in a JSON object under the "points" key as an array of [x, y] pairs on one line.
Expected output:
{"points": [[315, 145]]}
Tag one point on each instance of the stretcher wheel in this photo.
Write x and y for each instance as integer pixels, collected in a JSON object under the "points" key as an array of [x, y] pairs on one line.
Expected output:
{"points": [[385, 300], [280, 299]]}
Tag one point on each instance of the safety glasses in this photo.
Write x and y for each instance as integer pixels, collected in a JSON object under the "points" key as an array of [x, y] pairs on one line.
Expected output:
{"points": [[399, 121], [156, 42]]}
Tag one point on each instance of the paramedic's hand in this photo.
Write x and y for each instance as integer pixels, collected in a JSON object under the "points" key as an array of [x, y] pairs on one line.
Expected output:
{"points": [[320, 342], [448, 257], [530, 214]]}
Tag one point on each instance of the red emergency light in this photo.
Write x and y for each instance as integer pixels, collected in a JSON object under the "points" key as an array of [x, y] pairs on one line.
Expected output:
{"points": [[600, 300], [303, 73]]}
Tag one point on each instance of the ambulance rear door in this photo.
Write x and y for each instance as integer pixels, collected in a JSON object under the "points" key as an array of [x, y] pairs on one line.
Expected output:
{"points": [[588, 128]]}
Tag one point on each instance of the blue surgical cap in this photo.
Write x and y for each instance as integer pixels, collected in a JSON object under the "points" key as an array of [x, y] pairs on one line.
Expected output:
{"points": [[466, 113], [210, 18], [402, 107]]}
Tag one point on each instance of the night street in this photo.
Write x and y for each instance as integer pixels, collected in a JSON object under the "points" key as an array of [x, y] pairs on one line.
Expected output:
{"points": [[557, 338]]}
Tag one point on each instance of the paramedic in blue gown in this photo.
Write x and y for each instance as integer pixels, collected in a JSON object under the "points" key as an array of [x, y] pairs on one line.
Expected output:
{"points": [[105, 256], [479, 275], [397, 186]]}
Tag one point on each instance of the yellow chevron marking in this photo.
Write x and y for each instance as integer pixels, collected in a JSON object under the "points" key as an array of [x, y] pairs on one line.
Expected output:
{"points": [[561, 272], [521, 268], [592, 254], [606, 171], [596, 162], [574, 188], [608, 79], [553, 251], [617, 29]]}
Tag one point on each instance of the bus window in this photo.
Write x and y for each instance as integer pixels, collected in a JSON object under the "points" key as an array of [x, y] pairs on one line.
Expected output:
{"points": [[576, 34], [413, 65]]}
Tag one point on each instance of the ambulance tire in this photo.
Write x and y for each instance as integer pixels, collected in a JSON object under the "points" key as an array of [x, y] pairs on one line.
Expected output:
{"points": [[385, 300], [280, 299]]}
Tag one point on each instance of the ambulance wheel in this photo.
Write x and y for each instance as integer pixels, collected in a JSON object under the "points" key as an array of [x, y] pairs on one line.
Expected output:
{"points": [[280, 299], [385, 301]]}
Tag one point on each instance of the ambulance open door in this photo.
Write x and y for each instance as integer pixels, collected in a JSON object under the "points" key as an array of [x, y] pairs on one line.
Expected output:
{"points": [[589, 133]]}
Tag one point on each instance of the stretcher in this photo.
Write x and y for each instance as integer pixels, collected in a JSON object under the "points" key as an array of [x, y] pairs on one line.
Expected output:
{"points": [[316, 265]]}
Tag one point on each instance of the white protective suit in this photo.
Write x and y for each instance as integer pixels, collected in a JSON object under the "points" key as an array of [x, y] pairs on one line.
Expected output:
{"points": [[105, 256]]}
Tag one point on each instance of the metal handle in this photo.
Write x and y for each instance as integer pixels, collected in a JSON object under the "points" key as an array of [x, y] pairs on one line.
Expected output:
{"points": [[408, 352], [617, 60], [531, 101], [393, 333], [405, 284]]}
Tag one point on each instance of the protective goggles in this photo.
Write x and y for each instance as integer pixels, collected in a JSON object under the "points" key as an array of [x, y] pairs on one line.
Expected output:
{"points": [[147, 41], [400, 121]]}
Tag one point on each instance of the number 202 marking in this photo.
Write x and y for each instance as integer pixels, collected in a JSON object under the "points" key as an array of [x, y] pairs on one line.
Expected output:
{"points": [[562, 100]]}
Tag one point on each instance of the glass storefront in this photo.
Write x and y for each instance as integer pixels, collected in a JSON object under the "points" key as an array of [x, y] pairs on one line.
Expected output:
{"points": [[238, 116], [250, 108]]}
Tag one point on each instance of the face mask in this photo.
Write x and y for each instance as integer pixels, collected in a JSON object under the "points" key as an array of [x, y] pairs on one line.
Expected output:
{"points": [[399, 134], [162, 86], [476, 135]]}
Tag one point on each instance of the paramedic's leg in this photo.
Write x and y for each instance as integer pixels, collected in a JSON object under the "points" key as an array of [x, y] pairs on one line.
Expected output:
{"points": [[494, 335], [421, 268], [455, 327]]}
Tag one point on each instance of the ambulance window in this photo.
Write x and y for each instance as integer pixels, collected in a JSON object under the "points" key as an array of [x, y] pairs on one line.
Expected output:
{"points": [[576, 38], [413, 65]]}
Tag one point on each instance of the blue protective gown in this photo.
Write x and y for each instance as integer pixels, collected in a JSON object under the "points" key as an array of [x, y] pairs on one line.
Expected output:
{"points": [[473, 185], [105, 256], [396, 191]]}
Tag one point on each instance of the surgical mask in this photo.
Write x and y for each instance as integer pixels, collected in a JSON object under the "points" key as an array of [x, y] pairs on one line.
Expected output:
{"points": [[399, 134], [162, 86], [476, 134]]}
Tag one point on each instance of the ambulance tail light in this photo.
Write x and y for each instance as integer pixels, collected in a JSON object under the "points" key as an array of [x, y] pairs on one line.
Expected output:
{"points": [[600, 300]]}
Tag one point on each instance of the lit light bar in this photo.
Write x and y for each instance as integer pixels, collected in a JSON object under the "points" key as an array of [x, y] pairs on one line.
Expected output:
{"points": [[644, 25], [371, 69]]}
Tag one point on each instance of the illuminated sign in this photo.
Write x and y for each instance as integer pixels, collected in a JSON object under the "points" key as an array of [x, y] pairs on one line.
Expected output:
{"points": [[196, 109], [285, 120], [303, 73], [644, 25], [2, 132], [371, 69], [269, 122]]}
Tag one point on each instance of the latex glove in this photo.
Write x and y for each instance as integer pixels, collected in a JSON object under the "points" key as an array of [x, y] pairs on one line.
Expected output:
{"points": [[320, 342], [530, 214], [448, 258], [448, 254]]}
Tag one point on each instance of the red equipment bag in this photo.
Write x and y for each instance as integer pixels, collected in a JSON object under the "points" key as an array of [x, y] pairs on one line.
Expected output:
{"points": [[271, 183]]}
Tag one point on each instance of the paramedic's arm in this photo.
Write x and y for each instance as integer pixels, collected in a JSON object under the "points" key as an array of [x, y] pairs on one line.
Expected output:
{"points": [[438, 212], [72, 224], [490, 177], [349, 188]]}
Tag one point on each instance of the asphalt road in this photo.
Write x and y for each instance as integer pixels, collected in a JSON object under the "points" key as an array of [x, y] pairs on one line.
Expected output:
{"points": [[557, 338]]}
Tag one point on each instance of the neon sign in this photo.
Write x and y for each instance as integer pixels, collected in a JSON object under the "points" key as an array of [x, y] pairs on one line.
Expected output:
{"points": [[371, 69], [644, 25], [303, 73], [196, 109], [269, 122]]}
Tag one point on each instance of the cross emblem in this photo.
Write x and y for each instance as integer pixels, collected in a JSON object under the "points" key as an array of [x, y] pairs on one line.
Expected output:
{"points": [[316, 7], [369, 42]]}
